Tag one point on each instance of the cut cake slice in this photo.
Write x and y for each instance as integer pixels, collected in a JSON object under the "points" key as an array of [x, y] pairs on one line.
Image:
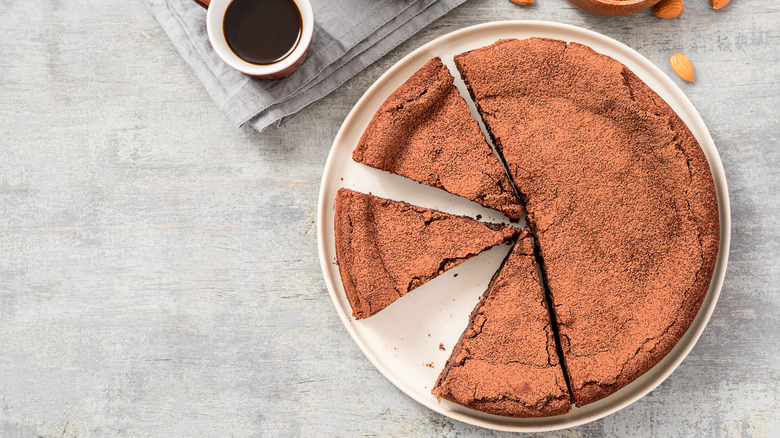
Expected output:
{"points": [[506, 363], [387, 248], [424, 131]]}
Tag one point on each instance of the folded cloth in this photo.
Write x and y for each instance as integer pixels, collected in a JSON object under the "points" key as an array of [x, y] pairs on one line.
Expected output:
{"points": [[348, 36]]}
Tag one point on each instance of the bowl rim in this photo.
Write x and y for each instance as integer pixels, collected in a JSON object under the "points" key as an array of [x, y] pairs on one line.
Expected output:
{"points": [[619, 3]]}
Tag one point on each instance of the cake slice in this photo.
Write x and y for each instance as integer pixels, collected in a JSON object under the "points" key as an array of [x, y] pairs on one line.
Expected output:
{"points": [[424, 131], [619, 196], [387, 248], [506, 363]]}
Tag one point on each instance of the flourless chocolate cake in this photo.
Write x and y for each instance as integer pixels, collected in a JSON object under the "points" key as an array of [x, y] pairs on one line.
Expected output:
{"points": [[424, 131], [619, 195], [506, 363], [387, 248]]}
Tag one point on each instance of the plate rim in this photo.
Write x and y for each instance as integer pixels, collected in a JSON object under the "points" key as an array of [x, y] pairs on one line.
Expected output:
{"points": [[693, 332]]}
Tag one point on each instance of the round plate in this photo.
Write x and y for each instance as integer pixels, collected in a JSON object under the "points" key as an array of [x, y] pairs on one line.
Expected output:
{"points": [[403, 341]]}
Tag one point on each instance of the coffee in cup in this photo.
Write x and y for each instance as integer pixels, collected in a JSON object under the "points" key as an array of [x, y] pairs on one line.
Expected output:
{"points": [[267, 39]]}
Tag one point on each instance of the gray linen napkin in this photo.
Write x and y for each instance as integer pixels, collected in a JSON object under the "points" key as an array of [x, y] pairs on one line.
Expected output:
{"points": [[348, 36]]}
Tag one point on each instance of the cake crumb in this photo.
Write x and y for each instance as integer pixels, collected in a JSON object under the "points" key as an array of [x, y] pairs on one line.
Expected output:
{"points": [[429, 365], [429, 335], [456, 274], [441, 347], [479, 216]]}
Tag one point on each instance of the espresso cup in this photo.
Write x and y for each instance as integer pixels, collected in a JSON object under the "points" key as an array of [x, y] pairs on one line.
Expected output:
{"points": [[215, 18]]}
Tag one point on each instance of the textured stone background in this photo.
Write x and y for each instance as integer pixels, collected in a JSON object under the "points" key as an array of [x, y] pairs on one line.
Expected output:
{"points": [[158, 266]]}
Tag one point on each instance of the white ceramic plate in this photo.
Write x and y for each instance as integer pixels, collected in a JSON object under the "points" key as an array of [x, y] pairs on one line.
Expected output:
{"points": [[403, 340]]}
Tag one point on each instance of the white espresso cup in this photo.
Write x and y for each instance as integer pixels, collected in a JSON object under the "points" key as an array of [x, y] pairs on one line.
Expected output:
{"points": [[215, 18]]}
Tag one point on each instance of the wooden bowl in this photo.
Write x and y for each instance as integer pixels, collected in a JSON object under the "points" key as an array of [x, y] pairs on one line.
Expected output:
{"points": [[613, 8]]}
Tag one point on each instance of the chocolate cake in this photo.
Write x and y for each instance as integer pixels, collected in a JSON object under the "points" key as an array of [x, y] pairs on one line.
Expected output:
{"points": [[506, 363], [619, 195], [424, 131], [387, 248]]}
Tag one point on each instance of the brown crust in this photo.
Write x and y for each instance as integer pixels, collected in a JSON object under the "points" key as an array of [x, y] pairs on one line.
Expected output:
{"points": [[424, 131], [387, 248], [505, 362], [619, 194]]}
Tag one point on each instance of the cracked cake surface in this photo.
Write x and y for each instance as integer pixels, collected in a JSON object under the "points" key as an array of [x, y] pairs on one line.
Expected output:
{"points": [[424, 131], [505, 363], [619, 195], [387, 248]]}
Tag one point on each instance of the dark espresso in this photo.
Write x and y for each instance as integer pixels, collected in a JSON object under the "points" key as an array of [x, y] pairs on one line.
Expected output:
{"points": [[262, 31]]}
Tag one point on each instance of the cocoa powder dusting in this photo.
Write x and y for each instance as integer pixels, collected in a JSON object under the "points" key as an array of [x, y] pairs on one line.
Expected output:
{"points": [[424, 131], [505, 363], [387, 248], [619, 195]]}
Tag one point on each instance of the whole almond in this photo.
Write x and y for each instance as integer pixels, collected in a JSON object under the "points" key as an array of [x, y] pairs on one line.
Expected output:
{"points": [[682, 66], [718, 4], [528, 2], [669, 8]]}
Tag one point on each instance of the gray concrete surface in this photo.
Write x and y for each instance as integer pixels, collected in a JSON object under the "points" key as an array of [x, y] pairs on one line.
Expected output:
{"points": [[158, 266]]}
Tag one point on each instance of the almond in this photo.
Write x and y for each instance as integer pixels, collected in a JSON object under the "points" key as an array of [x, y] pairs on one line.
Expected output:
{"points": [[682, 66], [669, 8], [718, 4], [528, 2]]}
